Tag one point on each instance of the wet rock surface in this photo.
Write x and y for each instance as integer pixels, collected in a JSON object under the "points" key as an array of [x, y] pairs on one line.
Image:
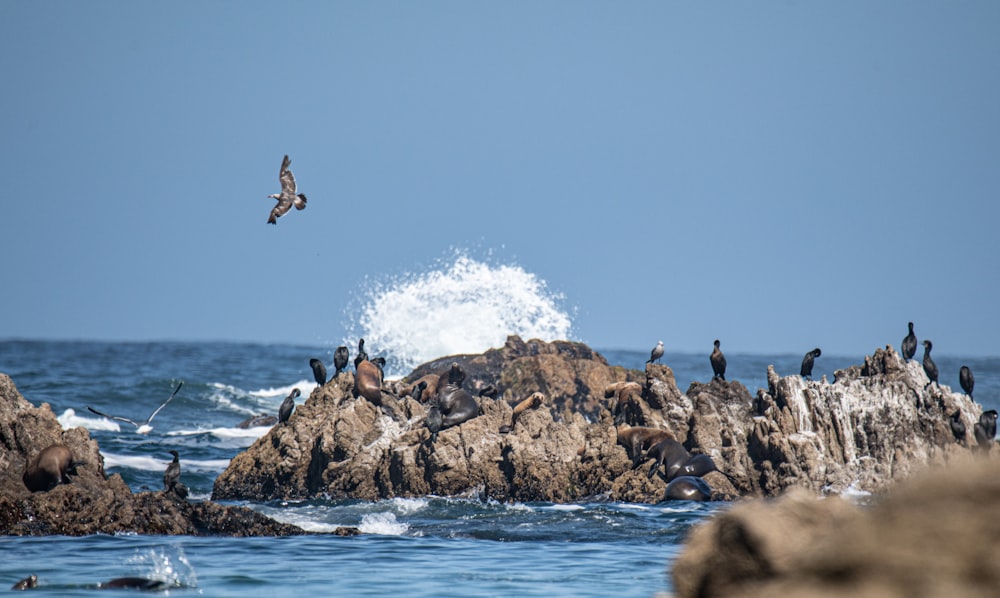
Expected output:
{"points": [[875, 423], [94, 502]]}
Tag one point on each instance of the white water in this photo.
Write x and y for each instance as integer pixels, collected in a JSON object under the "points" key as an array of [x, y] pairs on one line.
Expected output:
{"points": [[461, 306]]}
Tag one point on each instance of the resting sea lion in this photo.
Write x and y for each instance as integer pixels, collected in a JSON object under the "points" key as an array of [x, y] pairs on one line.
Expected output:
{"points": [[418, 390], [49, 468], [670, 452], [368, 382], [533, 402], [456, 404], [638, 439], [688, 488]]}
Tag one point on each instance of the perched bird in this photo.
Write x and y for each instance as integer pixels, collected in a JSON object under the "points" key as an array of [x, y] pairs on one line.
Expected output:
{"points": [[488, 391], [806, 370], [144, 427], [718, 362], [930, 368], [418, 391], [319, 371], [656, 353], [340, 357], [957, 427], [287, 198], [967, 380], [985, 429], [909, 344], [285, 411], [362, 356], [380, 364], [434, 420], [172, 477]]}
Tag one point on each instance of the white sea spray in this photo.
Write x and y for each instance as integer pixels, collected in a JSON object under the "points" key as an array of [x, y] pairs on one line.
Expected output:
{"points": [[459, 306]]}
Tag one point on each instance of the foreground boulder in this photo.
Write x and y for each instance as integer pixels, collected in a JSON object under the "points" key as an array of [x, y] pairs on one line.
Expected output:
{"points": [[94, 503], [875, 423], [936, 534]]}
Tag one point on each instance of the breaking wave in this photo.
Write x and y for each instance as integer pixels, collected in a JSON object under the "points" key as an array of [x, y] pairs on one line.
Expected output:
{"points": [[461, 305]]}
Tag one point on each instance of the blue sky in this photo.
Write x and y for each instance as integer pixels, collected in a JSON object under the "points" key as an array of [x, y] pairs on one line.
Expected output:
{"points": [[779, 175]]}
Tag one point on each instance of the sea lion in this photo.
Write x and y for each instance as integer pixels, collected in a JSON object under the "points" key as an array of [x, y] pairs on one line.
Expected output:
{"points": [[257, 421], [27, 583], [930, 368], [532, 402], [429, 383], [957, 427], [688, 488], [718, 362], [909, 344], [319, 371], [806, 369], [638, 439], [417, 391], [456, 404], [670, 452], [489, 392], [380, 364], [340, 358], [625, 407], [368, 381], [49, 468], [656, 353], [133, 583], [285, 410], [288, 197], [698, 465], [967, 380], [172, 477]]}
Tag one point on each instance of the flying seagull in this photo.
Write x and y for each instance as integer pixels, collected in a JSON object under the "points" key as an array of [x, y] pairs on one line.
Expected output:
{"points": [[287, 198], [144, 427]]}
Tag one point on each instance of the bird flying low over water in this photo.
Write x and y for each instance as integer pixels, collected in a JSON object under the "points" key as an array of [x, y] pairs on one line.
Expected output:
{"points": [[144, 427], [288, 197]]}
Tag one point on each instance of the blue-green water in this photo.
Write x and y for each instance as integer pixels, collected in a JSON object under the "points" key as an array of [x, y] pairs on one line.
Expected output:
{"points": [[411, 547]]}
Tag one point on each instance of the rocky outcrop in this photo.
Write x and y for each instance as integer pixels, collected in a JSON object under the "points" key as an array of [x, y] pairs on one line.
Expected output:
{"points": [[873, 424], [935, 534], [93, 502]]}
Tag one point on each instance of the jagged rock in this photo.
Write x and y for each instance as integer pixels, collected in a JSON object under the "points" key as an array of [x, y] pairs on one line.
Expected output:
{"points": [[342, 447], [873, 424], [94, 503], [935, 534]]}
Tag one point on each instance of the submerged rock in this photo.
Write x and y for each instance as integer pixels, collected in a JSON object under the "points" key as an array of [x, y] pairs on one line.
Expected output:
{"points": [[93, 502], [873, 424]]}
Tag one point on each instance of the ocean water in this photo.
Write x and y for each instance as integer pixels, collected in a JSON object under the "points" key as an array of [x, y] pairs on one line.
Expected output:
{"points": [[429, 546]]}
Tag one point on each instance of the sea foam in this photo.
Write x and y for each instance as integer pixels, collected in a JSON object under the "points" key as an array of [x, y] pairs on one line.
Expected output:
{"points": [[460, 306]]}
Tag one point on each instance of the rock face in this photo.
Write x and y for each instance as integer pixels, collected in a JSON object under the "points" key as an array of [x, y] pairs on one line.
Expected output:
{"points": [[936, 534], [94, 503], [873, 424]]}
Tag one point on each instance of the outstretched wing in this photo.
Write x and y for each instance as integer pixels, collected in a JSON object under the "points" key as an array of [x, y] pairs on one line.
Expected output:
{"points": [[164, 403], [121, 419], [286, 178], [284, 204]]}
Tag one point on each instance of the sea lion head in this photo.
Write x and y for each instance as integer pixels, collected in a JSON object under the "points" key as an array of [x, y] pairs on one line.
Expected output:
{"points": [[456, 375]]}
